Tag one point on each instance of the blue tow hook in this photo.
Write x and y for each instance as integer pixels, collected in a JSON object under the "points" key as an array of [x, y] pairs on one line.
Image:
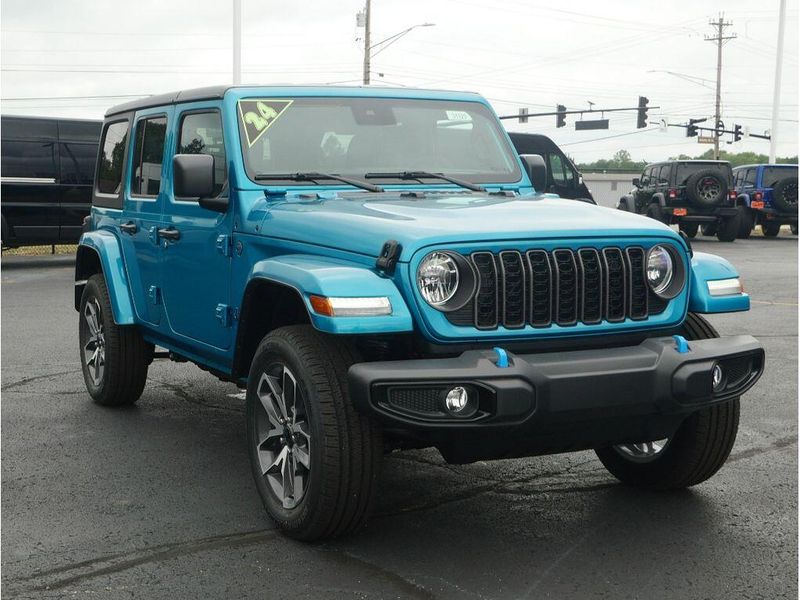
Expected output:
{"points": [[502, 358], [681, 345]]}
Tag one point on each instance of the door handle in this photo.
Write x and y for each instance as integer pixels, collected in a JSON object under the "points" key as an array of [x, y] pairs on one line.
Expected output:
{"points": [[173, 235], [130, 227]]}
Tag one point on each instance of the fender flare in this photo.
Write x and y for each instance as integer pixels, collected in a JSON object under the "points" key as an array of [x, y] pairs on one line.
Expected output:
{"points": [[628, 202], [106, 247], [709, 267], [328, 277], [658, 197]]}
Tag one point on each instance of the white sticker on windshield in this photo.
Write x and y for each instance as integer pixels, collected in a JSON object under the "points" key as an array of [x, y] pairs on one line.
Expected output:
{"points": [[458, 115]]}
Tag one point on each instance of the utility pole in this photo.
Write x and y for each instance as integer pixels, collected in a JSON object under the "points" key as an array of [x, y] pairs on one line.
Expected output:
{"points": [[367, 45], [237, 42], [776, 97], [720, 24]]}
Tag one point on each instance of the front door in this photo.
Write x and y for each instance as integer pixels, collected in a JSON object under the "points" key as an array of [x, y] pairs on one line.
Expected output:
{"points": [[142, 212], [196, 256]]}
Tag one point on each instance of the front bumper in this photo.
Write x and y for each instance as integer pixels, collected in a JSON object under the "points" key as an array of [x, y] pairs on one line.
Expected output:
{"points": [[558, 401]]}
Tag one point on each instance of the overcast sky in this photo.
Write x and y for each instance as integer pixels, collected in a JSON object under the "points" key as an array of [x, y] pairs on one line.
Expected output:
{"points": [[60, 56]]}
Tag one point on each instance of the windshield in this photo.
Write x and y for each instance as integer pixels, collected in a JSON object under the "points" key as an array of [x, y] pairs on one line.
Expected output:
{"points": [[774, 174], [685, 169], [356, 136]]}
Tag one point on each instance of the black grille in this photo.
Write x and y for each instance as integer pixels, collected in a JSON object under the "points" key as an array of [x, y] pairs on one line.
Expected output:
{"points": [[562, 286], [418, 400]]}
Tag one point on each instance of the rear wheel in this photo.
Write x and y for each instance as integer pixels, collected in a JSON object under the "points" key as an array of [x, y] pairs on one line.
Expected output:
{"points": [[745, 222], [770, 229], [314, 459], [690, 229], [114, 358], [695, 452], [709, 229], [654, 212], [793, 227], [728, 230]]}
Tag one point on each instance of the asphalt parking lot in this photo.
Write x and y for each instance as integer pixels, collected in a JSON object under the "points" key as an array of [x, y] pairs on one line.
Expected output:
{"points": [[157, 501]]}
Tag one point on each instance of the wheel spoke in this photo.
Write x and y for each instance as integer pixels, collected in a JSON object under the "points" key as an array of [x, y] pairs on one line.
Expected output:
{"points": [[277, 463], [301, 456], [269, 401], [287, 477], [277, 396], [289, 395]]}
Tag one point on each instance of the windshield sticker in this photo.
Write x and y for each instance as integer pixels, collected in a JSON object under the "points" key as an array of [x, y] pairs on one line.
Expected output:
{"points": [[257, 114], [458, 115]]}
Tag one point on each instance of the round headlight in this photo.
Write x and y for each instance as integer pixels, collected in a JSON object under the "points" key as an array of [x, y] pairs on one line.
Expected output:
{"points": [[659, 269], [437, 278]]}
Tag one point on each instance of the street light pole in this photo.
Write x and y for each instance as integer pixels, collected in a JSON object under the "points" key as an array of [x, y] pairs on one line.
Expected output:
{"points": [[237, 42], [776, 97], [367, 41]]}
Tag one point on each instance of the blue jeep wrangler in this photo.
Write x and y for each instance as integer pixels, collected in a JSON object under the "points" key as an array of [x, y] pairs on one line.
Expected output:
{"points": [[766, 196], [376, 267]]}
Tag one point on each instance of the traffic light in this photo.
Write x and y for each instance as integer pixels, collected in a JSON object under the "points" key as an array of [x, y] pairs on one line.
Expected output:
{"points": [[641, 120], [691, 128], [561, 116], [737, 133]]}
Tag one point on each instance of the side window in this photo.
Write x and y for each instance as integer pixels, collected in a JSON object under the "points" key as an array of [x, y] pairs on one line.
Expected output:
{"points": [[201, 133], [663, 174], [112, 155], [148, 154], [77, 162], [646, 175], [33, 160], [556, 168], [750, 178]]}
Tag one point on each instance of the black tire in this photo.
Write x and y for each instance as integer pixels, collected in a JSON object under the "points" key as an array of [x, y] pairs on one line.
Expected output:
{"points": [[696, 451], [709, 229], [690, 229], [728, 230], [345, 447], [793, 228], [746, 222], [121, 351], [622, 205], [706, 188], [784, 195], [654, 212], [770, 230]]}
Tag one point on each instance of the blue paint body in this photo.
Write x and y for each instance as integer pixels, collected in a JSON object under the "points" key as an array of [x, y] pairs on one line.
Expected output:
{"points": [[327, 245]]}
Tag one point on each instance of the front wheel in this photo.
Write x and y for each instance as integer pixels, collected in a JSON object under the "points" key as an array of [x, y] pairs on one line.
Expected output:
{"points": [[314, 459], [695, 452], [709, 229], [114, 358]]}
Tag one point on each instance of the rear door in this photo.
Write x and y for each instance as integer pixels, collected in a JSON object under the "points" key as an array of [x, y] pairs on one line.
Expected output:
{"points": [[30, 196], [142, 210]]}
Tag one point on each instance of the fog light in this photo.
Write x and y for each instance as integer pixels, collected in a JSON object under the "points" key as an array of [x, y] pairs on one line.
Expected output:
{"points": [[458, 402], [717, 378]]}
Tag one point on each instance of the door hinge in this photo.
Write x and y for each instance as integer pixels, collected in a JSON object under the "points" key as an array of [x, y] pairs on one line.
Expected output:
{"points": [[154, 294], [224, 244], [226, 315]]}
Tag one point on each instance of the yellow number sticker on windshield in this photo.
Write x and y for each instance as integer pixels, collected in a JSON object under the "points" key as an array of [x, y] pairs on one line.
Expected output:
{"points": [[257, 114]]}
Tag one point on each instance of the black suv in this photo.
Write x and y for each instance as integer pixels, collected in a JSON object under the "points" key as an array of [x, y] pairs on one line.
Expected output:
{"points": [[690, 193], [48, 169]]}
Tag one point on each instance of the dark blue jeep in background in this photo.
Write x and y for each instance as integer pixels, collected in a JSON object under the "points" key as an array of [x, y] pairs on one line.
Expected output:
{"points": [[767, 196]]}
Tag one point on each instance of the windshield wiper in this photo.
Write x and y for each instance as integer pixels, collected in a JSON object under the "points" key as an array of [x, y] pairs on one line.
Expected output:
{"points": [[419, 175], [313, 176]]}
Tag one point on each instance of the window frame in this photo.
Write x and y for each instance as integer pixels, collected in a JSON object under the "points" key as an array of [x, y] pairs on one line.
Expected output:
{"points": [[135, 130], [176, 150], [105, 199]]}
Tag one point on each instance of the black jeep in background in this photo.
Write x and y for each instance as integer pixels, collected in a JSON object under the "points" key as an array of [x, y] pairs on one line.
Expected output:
{"points": [[47, 174], [690, 193]]}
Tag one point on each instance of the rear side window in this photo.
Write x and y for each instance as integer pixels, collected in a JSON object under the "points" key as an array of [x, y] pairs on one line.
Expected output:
{"points": [[750, 178], [32, 160], [201, 133], [111, 159], [148, 154], [77, 163]]}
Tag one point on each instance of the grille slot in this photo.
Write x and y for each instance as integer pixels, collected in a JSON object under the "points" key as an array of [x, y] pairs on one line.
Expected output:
{"points": [[563, 286], [486, 299]]}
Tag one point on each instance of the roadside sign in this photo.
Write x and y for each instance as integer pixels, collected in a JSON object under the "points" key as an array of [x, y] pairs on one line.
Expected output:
{"points": [[705, 139], [585, 125]]}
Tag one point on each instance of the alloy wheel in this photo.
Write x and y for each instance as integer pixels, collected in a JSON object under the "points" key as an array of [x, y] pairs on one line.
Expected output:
{"points": [[283, 436], [708, 189], [643, 451], [94, 348]]}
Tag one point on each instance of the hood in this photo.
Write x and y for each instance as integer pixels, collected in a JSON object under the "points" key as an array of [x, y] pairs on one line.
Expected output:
{"points": [[362, 222]]}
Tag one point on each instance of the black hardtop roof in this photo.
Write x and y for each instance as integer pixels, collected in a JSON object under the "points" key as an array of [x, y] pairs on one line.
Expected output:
{"points": [[213, 92]]}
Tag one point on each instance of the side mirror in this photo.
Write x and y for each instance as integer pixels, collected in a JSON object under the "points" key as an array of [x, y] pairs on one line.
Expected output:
{"points": [[193, 177], [536, 169], [636, 182]]}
